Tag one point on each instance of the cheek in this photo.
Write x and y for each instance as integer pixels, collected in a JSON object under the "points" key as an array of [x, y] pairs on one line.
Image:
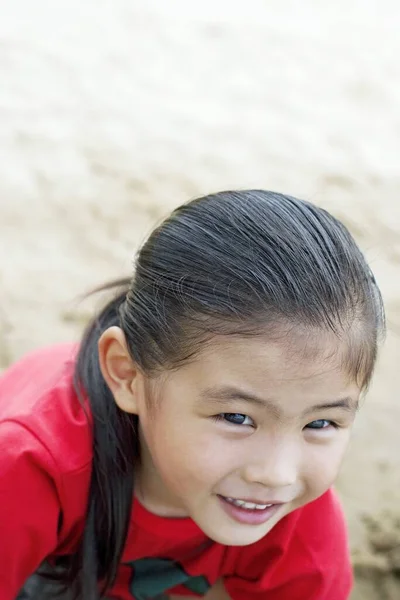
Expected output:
{"points": [[322, 462], [191, 453]]}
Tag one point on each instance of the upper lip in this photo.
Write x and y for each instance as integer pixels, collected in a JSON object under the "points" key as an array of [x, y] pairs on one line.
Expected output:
{"points": [[254, 501]]}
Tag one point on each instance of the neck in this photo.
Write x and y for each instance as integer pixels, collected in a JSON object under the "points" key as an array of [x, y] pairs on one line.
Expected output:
{"points": [[151, 490]]}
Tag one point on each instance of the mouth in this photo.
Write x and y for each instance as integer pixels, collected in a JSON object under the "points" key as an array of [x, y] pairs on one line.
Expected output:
{"points": [[248, 504], [249, 512]]}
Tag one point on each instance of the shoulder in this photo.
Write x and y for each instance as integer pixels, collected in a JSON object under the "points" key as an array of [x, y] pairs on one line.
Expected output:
{"points": [[318, 528], [306, 551], [46, 440], [39, 407], [321, 525]]}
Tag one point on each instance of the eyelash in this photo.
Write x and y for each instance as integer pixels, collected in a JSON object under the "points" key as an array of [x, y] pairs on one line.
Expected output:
{"points": [[331, 424], [222, 417]]}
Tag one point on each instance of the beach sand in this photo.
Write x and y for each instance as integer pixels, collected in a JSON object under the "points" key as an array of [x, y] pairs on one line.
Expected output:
{"points": [[112, 113]]}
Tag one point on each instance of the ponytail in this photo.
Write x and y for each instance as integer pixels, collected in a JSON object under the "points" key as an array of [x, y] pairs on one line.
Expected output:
{"points": [[115, 450], [234, 263]]}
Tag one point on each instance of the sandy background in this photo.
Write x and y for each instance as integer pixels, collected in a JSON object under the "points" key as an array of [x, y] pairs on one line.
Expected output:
{"points": [[113, 112]]}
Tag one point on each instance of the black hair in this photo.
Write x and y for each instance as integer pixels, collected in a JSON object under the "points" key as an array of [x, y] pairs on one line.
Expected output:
{"points": [[233, 263]]}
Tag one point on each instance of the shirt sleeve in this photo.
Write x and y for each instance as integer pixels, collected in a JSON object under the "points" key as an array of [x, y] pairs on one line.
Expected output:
{"points": [[29, 506], [305, 558]]}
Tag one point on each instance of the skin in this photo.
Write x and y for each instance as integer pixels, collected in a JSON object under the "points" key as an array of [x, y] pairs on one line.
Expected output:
{"points": [[287, 447]]}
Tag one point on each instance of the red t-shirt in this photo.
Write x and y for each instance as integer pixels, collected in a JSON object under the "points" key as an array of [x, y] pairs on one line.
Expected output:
{"points": [[45, 465]]}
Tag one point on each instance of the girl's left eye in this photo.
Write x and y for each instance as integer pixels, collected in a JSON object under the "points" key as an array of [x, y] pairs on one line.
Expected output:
{"points": [[321, 424], [235, 418]]}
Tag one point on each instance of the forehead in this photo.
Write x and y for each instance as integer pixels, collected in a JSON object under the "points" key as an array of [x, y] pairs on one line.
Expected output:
{"points": [[311, 363]]}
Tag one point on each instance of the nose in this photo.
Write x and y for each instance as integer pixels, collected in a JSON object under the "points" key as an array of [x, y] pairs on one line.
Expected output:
{"points": [[275, 465]]}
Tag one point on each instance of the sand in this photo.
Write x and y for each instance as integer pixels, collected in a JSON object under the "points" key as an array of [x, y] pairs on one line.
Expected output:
{"points": [[113, 112]]}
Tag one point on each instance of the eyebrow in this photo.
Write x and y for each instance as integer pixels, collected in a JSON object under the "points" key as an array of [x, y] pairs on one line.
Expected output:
{"points": [[223, 395]]}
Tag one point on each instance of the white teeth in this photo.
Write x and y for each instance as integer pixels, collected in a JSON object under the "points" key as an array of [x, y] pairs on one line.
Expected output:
{"points": [[248, 505]]}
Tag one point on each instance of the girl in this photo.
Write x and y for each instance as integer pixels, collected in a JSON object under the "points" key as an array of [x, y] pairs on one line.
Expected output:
{"points": [[189, 446]]}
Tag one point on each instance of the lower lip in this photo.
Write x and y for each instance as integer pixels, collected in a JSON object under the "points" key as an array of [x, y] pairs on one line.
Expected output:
{"points": [[246, 516]]}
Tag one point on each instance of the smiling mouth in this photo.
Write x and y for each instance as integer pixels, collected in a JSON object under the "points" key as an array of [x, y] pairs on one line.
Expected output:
{"points": [[247, 505], [249, 512]]}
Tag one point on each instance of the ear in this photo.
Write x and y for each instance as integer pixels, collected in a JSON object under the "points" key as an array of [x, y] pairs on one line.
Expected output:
{"points": [[120, 372]]}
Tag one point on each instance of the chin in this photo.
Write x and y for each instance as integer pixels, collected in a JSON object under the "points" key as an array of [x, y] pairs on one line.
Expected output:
{"points": [[237, 538]]}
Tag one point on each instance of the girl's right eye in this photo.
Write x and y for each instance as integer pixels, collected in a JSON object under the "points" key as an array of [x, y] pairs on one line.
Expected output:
{"points": [[236, 419]]}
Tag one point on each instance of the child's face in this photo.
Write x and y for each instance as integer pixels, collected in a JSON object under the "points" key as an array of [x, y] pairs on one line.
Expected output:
{"points": [[203, 441]]}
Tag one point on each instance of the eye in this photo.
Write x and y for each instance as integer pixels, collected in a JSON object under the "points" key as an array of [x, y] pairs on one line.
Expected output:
{"points": [[236, 419], [321, 424]]}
